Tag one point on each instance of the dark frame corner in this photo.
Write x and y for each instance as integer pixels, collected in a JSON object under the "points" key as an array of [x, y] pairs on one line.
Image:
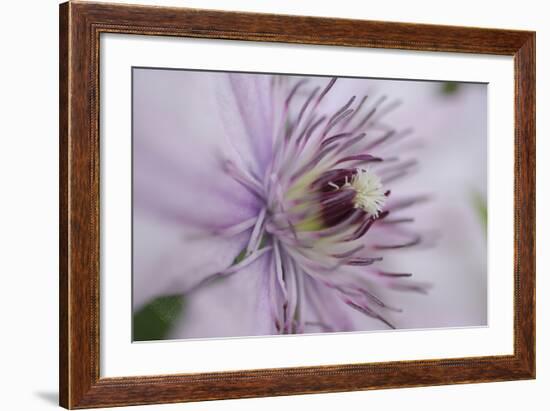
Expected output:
{"points": [[80, 27]]}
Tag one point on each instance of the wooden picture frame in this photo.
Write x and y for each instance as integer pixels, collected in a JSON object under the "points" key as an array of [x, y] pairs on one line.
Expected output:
{"points": [[81, 24]]}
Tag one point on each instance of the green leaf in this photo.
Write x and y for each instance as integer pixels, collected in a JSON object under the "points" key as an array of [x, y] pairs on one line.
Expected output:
{"points": [[240, 257], [480, 205], [155, 320], [449, 88]]}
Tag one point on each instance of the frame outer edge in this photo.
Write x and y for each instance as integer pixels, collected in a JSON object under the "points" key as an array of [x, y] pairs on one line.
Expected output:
{"points": [[525, 66], [79, 227], [64, 351]]}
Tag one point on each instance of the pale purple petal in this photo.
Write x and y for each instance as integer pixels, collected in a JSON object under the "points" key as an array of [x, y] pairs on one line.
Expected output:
{"points": [[238, 305], [168, 260], [325, 310], [179, 152], [248, 116]]}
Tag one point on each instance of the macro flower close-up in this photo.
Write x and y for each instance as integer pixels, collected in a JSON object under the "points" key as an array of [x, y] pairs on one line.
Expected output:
{"points": [[283, 204]]}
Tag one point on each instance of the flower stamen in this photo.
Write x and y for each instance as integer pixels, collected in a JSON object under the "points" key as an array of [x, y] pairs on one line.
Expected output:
{"points": [[369, 192]]}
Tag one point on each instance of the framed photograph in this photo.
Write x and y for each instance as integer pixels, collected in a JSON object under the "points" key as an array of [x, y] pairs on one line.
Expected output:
{"points": [[259, 205]]}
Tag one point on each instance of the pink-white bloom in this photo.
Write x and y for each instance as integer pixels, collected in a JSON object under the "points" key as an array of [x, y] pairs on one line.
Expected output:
{"points": [[273, 213]]}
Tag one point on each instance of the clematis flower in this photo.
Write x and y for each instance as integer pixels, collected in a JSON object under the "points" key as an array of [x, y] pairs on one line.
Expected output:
{"points": [[274, 211]]}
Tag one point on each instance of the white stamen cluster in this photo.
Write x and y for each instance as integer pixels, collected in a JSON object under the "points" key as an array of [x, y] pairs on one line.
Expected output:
{"points": [[369, 191]]}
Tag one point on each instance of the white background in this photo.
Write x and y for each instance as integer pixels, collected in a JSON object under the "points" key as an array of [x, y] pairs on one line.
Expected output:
{"points": [[28, 218]]}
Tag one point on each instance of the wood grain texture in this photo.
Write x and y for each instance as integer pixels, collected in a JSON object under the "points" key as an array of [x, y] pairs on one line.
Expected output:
{"points": [[63, 203], [80, 27]]}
